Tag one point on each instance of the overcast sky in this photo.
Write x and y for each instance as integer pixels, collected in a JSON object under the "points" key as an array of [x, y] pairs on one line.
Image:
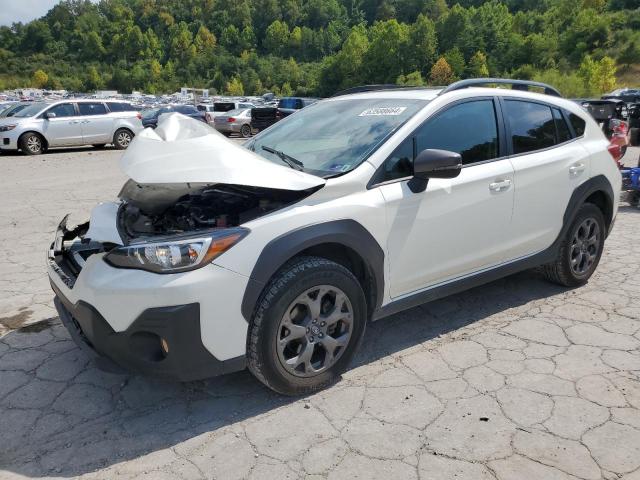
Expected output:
{"points": [[23, 10]]}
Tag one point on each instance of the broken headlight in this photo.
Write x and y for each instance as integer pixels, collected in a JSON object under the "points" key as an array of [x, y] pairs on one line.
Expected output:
{"points": [[175, 255]]}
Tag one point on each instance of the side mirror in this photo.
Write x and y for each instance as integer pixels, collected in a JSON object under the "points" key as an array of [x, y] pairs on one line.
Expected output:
{"points": [[48, 115], [431, 163]]}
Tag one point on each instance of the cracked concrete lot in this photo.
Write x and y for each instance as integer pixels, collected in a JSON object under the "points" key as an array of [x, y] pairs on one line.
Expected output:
{"points": [[518, 379]]}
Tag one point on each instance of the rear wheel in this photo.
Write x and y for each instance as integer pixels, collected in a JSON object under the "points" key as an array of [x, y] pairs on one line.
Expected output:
{"points": [[245, 131], [122, 138], [307, 326], [32, 144], [634, 137], [580, 250]]}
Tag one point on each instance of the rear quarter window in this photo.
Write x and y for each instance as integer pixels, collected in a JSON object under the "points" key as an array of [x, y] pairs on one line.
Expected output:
{"points": [[577, 123]]}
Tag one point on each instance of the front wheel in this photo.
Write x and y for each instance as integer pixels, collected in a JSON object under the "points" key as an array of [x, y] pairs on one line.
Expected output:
{"points": [[122, 138], [306, 327], [580, 250], [32, 144]]}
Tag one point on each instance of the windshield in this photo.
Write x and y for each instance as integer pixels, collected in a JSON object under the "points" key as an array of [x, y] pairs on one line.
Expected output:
{"points": [[334, 137], [31, 110]]}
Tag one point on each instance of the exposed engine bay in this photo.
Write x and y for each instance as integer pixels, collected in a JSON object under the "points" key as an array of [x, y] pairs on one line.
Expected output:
{"points": [[166, 209]]}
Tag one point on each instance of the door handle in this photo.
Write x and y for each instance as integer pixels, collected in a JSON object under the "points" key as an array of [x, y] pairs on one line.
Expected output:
{"points": [[500, 185], [577, 168], [85, 121], [74, 122]]}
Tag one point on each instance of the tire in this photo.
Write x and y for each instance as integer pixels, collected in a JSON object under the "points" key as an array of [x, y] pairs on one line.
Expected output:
{"points": [[122, 138], [634, 137], [32, 144], [587, 225], [634, 199], [245, 131], [280, 314], [99, 145]]}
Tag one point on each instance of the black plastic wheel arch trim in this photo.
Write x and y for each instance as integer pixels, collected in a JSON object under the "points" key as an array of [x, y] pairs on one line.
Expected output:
{"points": [[345, 232], [580, 194]]}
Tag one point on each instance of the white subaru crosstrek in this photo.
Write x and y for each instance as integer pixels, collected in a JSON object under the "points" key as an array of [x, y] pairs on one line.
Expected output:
{"points": [[275, 255]]}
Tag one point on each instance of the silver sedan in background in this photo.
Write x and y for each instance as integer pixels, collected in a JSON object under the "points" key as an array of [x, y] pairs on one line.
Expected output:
{"points": [[234, 121]]}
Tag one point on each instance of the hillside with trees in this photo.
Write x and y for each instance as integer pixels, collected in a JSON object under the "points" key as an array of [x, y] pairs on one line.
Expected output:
{"points": [[315, 47]]}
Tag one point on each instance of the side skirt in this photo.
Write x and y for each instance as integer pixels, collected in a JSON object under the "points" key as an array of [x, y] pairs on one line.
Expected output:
{"points": [[459, 285]]}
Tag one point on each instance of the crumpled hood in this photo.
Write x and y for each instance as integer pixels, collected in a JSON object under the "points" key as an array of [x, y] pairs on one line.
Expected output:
{"points": [[184, 150]]}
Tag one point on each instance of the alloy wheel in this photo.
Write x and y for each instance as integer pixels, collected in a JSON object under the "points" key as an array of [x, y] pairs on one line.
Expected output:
{"points": [[124, 139], [34, 144], [584, 246], [314, 331]]}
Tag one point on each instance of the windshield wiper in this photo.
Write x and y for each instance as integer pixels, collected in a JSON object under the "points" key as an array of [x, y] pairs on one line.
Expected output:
{"points": [[288, 159]]}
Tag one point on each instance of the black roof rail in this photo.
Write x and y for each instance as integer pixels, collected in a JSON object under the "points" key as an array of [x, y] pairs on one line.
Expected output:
{"points": [[373, 88], [515, 85]]}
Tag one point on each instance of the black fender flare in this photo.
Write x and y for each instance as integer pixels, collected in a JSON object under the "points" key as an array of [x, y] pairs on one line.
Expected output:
{"points": [[599, 183], [346, 232]]}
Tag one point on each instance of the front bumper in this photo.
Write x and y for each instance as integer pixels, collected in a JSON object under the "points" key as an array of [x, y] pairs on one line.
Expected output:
{"points": [[163, 342], [9, 140], [123, 314]]}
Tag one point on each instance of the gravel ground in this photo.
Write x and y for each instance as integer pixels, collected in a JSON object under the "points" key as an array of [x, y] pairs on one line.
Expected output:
{"points": [[518, 379]]}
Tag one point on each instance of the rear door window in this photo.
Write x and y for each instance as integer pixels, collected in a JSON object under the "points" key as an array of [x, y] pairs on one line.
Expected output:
{"points": [[92, 108], [532, 126]]}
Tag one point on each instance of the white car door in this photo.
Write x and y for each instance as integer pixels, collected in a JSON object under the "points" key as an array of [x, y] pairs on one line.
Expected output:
{"points": [[548, 166], [456, 226], [97, 124], [61, 125]]}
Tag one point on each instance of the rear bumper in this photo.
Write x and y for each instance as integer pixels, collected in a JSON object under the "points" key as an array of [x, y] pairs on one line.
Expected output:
{"points": [[139, 348], [228, 127]]}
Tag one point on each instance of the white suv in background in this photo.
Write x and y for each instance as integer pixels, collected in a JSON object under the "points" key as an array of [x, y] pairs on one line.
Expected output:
{"points": [[66, 123], [275, 256]]}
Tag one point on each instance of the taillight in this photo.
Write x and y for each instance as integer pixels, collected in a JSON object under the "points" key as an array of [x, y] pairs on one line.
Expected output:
{"points": [[231, 119], [615, 151], [621, 127], [139, 115]]}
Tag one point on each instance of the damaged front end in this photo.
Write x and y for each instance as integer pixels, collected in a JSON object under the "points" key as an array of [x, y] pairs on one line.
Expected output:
{"points": [[178, 227], [190, 192]]}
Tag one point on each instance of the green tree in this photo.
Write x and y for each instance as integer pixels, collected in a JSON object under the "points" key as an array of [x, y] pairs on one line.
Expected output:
{"points": [[413, 79], [423, 42], [39, 79], [478, 65], [386, 57], [93, 80], [630, 54], [456, 62], [276, 37], [235, 87]]}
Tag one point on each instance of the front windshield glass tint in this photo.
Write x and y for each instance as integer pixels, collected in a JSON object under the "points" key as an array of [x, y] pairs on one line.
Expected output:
{"points": [[335, 136], [31, 110]]}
